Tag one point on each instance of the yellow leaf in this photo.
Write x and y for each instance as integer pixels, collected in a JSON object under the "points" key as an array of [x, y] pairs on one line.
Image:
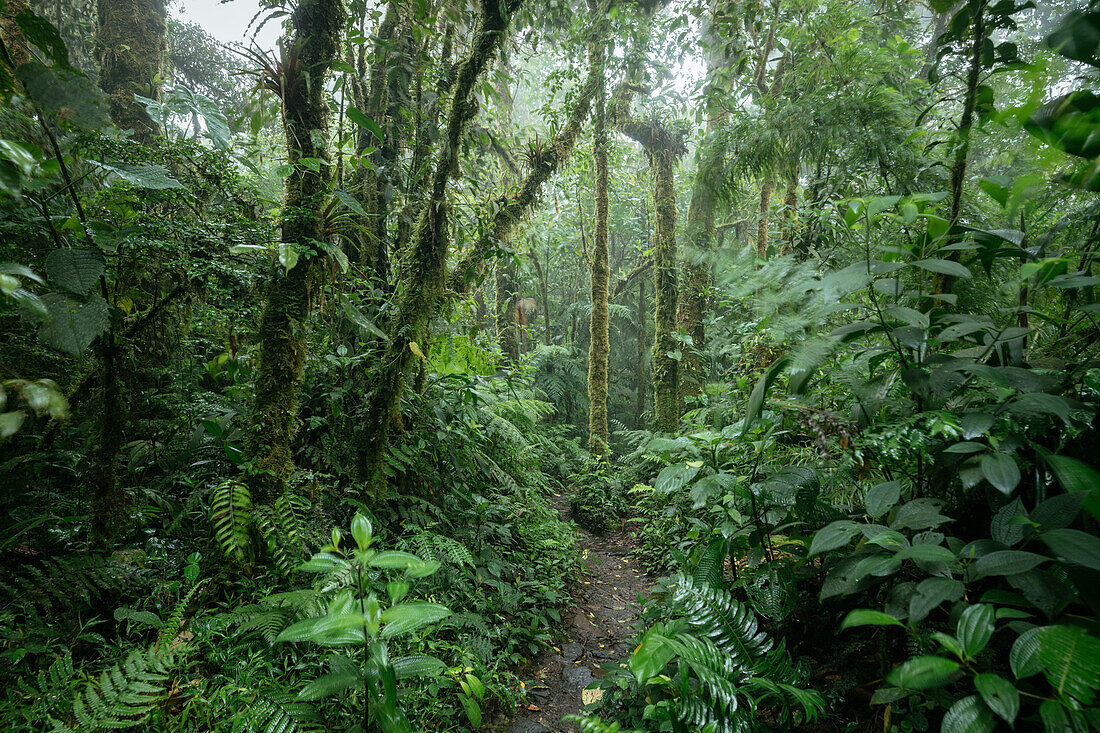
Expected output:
{"points": [[414, 348]]}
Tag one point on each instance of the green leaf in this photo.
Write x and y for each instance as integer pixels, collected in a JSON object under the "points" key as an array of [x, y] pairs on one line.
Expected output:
{"points": [[43, 34], [356, 115], [1073, 546], [406, 617], [760, 392], [288, 255], [944, 267], [950, 643], [834, 535], [930, 593], [968, 715], [926, 553], [361, 532], [153, 177], [922, 673], [674, 477], [350, 202], [413, 566], [65, 96], [999, 695], [1001, 471], [356, 316], [1077, 37], [333, 629], [330, 684], [1007, 562], [1024, 657], [919, 514], [867, 617], [975, 628], [1072, 474], [77, 269], [71, 325], [1070, 657], [417, 665], [882, 498], [651, 656]]}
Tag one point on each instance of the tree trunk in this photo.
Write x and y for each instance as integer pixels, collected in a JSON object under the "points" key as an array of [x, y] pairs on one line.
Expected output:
{"points": [[641, 316], [132, 47], [317, 25], [601, 270], [11, 35], [507, 303], [941, 284], [699, 232], [424, 266], [790, 212], [666, 368], [767, 188]]}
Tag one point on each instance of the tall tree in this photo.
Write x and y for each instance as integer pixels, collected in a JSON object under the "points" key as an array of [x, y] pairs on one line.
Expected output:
{"points": [[601, 269], [663, 146], [317, 26], [131, 39], [699, 228]]}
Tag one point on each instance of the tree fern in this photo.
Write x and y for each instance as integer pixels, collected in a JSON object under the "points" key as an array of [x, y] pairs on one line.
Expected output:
{"points": [[232, 519]]}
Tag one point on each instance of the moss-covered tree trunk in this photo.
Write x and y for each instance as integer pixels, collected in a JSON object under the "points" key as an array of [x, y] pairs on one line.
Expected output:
{"points": [[941, 283], [598, 347], [666, 366], [424, 265], [767, 189], [284, 324], [699, 232], [10, 34], [664, 146], [506, 316], [640, 316], [132, 48]]}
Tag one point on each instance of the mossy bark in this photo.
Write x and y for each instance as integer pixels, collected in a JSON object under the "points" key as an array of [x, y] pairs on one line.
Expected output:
{"points": [[666, 367], [941, 284], [664, 146], [131, 41], [424, 266], [10, 33], [284, 324], [598, 347], [767, 189], [790, 213], [699, 233], [506, 318], [640, 316]]}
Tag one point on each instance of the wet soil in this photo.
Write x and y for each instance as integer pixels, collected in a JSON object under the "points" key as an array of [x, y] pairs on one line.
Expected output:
{"points": [[597, 629]]}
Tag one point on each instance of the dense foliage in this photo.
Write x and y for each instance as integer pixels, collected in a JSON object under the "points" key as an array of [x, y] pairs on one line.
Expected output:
{"points": [[319, 363]]}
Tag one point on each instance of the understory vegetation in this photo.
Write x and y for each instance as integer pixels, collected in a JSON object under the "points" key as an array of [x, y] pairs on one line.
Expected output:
{"points": [[320, 363]]}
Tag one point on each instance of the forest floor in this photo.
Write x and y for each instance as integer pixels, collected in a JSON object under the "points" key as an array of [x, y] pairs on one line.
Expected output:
{"points": [[598, 627]]}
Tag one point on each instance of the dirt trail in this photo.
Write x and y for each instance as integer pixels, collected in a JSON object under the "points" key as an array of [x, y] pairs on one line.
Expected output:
{"points": [[598, 630]]}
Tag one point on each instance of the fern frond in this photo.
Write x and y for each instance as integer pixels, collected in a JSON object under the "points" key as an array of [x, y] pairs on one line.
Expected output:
{"points": [[719, 618], [232, 518], [125, 695]]}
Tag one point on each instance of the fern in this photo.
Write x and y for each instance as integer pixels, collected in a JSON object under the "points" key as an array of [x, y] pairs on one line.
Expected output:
{"points": [[232, 518], [125, 695], [69, 582], [719, 618]]}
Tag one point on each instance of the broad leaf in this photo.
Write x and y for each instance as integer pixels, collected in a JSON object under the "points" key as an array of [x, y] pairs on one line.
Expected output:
{"points": [[999, 695], [77, 269], [834, 535], [922, 673], [867, 617], [406, 617], [975, 628], [1000, 470], [968, 715], [71, 325], [1070, 657], [882, 498], [1074, 546]]}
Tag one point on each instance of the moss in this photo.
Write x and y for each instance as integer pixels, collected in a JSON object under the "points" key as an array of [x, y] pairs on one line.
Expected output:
{"points": [[666, 368], [132, 49], [767, 188], [284, 322], [598, 347], [424, 263]]}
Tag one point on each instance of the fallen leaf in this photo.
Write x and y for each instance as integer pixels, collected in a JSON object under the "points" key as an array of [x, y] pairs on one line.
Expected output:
{"points": [[534, 707]]}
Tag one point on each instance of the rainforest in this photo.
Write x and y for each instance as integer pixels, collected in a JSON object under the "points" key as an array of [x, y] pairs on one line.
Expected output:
{"points": [[545, 366]]}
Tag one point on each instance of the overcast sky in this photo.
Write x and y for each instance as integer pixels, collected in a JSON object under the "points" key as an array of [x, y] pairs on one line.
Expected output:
{"points": [[228, 22]]}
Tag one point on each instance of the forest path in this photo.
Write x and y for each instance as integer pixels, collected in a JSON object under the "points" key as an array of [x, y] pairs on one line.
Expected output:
{"points": [[598, 627]]}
